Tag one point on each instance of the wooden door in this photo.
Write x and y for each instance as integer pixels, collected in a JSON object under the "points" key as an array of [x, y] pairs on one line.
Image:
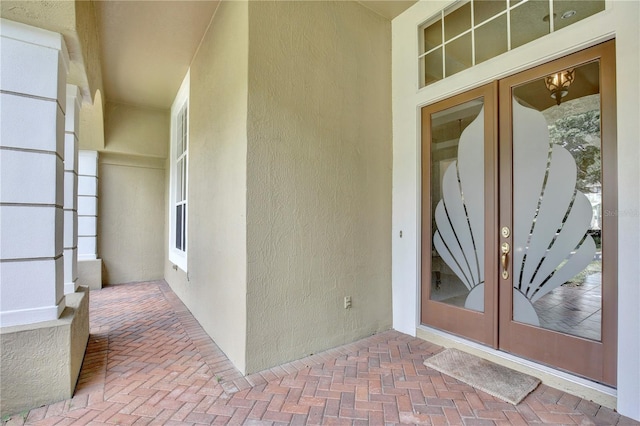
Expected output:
{"points": [[558, 199], [459, 214]]}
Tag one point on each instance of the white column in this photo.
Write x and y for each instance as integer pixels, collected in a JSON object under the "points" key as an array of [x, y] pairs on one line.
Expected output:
{"points": [[72, 123], [33, 75], [87, 205]]}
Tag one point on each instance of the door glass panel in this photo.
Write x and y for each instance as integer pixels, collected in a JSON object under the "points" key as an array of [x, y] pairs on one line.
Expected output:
{"points": [[457, 205], [557, 195]]}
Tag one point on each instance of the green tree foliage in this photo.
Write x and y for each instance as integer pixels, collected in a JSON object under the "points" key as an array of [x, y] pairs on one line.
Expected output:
{"points": [[580, 135]]}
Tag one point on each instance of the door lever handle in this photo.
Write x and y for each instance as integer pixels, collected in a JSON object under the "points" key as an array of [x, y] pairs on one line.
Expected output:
{"points": [[505, 259]]}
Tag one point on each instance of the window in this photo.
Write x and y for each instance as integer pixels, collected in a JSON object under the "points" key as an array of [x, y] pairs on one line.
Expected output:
{"points": [[473, 31], [179, 177]]}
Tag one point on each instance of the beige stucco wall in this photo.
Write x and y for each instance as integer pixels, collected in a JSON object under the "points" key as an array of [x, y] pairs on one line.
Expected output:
{"points": [[136, 130], [88, 76], [318, 178], [50, 15], [92, 124], [131, 181], [131, 208], [216, 290]]}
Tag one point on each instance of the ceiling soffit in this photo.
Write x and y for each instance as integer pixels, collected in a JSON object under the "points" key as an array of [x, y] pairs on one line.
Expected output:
{"points": [[147, 47], [389, 9]]}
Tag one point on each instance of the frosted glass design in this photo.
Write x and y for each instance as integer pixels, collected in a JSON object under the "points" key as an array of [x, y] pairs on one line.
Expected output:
{"points": [[550, 216], [459, 216]]}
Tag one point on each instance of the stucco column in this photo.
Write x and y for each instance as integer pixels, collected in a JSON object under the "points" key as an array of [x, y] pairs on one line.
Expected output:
{"points": [[71, 125], [34, 66], [88, 205]]}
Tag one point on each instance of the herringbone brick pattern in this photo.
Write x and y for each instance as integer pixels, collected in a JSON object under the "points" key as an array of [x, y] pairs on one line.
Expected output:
{"points": [[150, 362]]}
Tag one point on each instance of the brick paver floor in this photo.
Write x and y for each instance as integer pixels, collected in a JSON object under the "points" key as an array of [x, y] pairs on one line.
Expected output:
{"points": [[149, 362]]}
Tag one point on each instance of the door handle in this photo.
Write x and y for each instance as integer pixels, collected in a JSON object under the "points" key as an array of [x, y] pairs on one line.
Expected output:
{"points": [[505, 259]]}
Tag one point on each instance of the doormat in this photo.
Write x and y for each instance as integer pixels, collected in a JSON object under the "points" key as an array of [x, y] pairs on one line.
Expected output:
{"points": [[496, 380]]}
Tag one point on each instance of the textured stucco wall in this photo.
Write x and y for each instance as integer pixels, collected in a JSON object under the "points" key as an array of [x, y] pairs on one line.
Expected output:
{"points": [[318, 178], [131, 180], [131, 208], [92, 124], [136, 130], [51, 15], [53, 351], [216, 242], [90, 273], [88, 76]]}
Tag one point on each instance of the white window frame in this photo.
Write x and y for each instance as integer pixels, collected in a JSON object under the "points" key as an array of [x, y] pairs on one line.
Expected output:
{"points": [[440, 16], [180, 104]]}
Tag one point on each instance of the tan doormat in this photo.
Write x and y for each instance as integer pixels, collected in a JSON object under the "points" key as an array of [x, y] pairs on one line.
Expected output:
{"points": [[496, 380]]}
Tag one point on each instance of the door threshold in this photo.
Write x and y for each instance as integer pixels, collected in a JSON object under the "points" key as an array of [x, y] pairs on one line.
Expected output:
{"points": [[575, 385]]}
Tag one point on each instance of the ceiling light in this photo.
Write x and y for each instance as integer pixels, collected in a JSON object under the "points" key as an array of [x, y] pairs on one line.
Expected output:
{"points": [[558, 84]]}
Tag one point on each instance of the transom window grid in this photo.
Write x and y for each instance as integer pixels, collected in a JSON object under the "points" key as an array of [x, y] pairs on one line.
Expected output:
{"points": [[473, 31]]}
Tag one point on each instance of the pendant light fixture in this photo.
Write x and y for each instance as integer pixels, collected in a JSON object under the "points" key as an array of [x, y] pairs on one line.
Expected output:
{"points": [[558, 84]]}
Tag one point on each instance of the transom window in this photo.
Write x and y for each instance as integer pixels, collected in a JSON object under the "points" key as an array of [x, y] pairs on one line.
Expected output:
{"points": [[473, 31]]}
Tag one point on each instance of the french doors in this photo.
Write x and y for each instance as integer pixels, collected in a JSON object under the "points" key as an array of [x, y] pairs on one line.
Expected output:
{"points": [[518, 214]]}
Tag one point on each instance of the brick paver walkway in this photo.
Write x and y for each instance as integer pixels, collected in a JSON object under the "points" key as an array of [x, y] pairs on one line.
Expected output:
{"points": [[149, 362]]}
